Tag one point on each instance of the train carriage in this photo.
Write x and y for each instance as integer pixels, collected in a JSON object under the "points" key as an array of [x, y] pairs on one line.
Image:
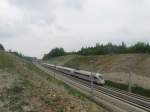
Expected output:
{"points": [[85, 75]]}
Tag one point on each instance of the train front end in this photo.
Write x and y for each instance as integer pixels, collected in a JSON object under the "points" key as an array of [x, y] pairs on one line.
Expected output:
{"points": [[100, 78]]}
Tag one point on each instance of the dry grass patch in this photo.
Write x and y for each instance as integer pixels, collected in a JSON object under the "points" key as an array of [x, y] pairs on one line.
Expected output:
{"points": [[25, 88]]}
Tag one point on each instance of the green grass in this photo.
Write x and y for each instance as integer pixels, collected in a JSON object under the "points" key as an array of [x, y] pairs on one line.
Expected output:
{"points": [[14, 96], [79, 62], [117, 85], [61, 60], [61, 110], [30, 80], [73, 91], [135, 89], [74, 61], [6, 60], [141, 91]]}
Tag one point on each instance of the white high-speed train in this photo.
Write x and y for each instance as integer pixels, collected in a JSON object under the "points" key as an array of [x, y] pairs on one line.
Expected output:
{"points": [[85, 75]]}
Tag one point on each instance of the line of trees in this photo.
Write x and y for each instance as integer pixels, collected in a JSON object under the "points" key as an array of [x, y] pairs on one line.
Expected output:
{"points": [[17, 53], [54, 53], [2, 47], [101, 49], [22, 55]]}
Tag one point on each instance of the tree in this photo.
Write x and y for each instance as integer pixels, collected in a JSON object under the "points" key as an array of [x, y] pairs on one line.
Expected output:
{"points": [[54, 53], [100, 49], [139, 47], [1, 47]]}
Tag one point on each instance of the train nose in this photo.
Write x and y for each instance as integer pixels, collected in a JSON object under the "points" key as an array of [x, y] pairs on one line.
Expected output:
{"points": [[103, 81]]}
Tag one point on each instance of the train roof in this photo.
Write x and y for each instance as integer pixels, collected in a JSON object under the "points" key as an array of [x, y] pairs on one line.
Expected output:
{"points": [[87, 72], [78, 71], [66, 68]]}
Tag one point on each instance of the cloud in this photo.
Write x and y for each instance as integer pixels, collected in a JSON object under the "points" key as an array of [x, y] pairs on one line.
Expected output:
{"points": [[35, 12], [77, 4], [33, 5], [36, 26]]}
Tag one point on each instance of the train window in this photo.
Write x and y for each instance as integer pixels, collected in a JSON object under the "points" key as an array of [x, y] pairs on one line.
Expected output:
{"points": [[95, 78]]}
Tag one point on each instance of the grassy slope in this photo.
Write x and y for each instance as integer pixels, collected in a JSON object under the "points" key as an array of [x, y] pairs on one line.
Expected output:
{"points": [[137, 63], [61, 60], [24, 88]]}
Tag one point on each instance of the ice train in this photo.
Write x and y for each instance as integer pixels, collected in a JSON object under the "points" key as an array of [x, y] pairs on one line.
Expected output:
{"points": [[85, 75]]}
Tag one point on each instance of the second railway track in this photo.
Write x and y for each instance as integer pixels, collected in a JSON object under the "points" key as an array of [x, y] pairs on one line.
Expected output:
{"points": [[130, 98]]}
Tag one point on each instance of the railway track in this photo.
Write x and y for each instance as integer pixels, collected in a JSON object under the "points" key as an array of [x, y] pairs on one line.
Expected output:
{"points": [[146, 99], [130, 98]]}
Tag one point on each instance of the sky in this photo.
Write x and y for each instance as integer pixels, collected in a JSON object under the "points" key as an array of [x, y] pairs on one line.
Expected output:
{"points": [[34, 27]]}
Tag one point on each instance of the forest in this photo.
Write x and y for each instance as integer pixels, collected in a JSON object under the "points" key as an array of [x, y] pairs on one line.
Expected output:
{"points": [[102, 49]]}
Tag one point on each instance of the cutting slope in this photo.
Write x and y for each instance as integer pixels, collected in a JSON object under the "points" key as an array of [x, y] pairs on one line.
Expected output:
{"points": [[115, 67], [24, 88]]}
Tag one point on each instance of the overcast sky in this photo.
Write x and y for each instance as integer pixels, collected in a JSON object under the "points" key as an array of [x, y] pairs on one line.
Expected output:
{"points": [[34, 27]]}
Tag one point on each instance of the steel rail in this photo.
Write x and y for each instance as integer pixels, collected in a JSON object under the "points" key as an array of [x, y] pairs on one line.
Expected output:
{"points": [[123, 96], [146, 99]]}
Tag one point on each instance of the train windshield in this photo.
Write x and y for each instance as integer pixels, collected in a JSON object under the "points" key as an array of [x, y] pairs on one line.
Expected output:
{"points": [[100, 77]]}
